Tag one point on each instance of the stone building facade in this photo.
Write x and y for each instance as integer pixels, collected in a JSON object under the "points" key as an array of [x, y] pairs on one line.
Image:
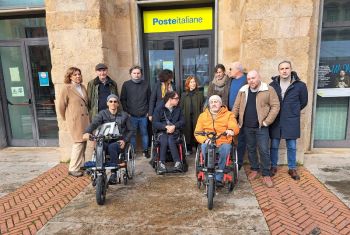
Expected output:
{"points": [[258, 33]]}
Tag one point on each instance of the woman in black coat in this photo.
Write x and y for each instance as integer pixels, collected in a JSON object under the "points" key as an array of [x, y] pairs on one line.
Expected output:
{"points": [[191, 104]]}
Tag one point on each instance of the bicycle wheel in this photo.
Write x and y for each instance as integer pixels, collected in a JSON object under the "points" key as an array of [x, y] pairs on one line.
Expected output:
{"points": [[210, 193], [100, 190]]}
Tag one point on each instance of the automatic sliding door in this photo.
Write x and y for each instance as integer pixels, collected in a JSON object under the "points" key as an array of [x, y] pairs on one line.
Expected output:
{"points": [[195, 59], [16, 97], [161, 55], [44, 94]]}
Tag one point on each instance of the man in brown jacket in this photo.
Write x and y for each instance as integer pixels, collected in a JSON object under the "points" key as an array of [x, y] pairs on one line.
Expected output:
{"points": [[256, 107]]}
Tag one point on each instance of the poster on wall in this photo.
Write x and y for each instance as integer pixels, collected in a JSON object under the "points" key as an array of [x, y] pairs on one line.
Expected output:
{"points": [[334, 79]]}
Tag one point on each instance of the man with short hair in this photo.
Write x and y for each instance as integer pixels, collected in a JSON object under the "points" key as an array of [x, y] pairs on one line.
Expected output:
{"points": [[293, 97], [257, 106], [217, 119], [135, 100], [99, 89], [113, 113], [238, 79]]}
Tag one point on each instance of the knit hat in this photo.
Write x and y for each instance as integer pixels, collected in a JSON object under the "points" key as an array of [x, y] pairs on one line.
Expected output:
{"points": [[112, 96], [215, 97]]}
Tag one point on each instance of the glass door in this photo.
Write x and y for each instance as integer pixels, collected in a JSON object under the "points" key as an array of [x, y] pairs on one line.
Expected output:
{"points": [[27, 99], [195, 59], [17, 98], [43, 93], [161, 55]]}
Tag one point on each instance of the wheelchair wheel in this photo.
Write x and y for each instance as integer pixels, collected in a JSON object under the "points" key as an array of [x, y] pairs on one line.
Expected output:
{"points": [[100, 189], [210, 193], [130, 163], [234, 172]]}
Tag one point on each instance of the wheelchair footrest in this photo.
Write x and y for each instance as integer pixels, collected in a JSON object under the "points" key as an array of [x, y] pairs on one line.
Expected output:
{"points": [[107, 165]]}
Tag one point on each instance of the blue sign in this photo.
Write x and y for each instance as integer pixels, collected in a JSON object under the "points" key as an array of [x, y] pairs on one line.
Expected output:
{"points": [[43, 78]]}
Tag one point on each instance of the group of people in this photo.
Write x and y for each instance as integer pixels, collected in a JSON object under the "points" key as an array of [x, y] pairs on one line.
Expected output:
{"points": [[240, 104]]}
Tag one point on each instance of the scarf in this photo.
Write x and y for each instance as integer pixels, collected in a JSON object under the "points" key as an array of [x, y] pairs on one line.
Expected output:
{"points": [[220, 82]]}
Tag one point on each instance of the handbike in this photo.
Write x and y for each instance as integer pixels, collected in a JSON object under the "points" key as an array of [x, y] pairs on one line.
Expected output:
{"points": [[206, 167]]}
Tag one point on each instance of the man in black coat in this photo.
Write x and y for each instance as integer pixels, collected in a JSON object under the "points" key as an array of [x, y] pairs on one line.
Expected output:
{"points": [[135, 100], [293, 96]]}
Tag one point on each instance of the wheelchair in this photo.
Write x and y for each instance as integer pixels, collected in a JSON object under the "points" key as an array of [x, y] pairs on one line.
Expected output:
{"points": [[206, 166], [155, 154], [99, 163]]}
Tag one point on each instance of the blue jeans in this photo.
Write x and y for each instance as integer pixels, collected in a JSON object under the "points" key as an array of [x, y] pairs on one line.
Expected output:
{"points": [[241, 147], [224, 151], [139, 122], [258, 138], [291, 152]]}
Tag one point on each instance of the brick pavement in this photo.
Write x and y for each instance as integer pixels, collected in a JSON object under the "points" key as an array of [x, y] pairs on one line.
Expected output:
{"points": [[300, 207], [290, 207], [27, 209]]}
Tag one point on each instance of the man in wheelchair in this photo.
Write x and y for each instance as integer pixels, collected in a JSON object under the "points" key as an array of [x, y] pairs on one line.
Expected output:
{"points": [[167, 122], [112, 114], [218, 119]]}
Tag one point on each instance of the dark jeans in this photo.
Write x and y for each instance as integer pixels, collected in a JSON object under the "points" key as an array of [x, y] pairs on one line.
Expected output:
{"points": [[141, 123], [114, 150], [241, 147], [168, 141], [258, 138]]}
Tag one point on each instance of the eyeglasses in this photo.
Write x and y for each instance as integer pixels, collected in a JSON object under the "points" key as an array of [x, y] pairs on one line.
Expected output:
{"points": [[112, 101]]}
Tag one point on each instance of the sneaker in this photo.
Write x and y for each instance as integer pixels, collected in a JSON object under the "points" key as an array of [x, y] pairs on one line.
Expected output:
{"points": [[75, 173], [113, 179], [253, 175], [267, 181], [178, 166], [146, 154], [161, 168], [294, 174]]}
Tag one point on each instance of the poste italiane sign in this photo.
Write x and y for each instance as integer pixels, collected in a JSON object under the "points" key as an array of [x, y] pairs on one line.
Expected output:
{"points": [[178, 20]]}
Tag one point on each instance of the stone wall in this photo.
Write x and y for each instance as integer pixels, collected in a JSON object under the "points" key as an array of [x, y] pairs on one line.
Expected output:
{"points": [[258, 33], [83, 33], [75, 39], [262, 33]]}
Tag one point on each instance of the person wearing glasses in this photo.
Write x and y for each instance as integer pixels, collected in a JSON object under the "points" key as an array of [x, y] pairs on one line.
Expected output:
{"points": [[220, 84], [167, 122], [99, 88], [113, 114], [72, 106]]}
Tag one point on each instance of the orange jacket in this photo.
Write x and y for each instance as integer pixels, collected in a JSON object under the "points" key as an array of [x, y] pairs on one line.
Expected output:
{"points": [[224, 121]]}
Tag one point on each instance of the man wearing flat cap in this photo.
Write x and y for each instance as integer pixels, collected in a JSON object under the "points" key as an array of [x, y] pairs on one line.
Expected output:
{"points": [[217, 118], [112, 114], [99, 88]]}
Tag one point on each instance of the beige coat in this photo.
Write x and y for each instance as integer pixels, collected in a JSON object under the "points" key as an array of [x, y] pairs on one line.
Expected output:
{"points": [[267, 104], [73, 109]]}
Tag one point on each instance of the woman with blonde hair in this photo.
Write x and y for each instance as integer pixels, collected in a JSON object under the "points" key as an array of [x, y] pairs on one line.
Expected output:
{"points": [[72, 106], [191, 104]]}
